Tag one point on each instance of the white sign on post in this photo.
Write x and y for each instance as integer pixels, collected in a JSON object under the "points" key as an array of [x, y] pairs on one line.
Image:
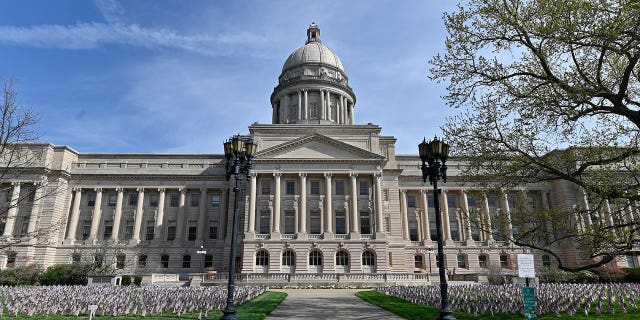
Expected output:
{"points": [[526, 268]]}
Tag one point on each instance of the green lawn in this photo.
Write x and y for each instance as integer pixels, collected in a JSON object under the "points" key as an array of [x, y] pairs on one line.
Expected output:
{"points": [[255, 309], [413, 311]]}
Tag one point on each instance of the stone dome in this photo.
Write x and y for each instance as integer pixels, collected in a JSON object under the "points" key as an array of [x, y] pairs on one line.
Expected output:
{"points": [[313, 52]]}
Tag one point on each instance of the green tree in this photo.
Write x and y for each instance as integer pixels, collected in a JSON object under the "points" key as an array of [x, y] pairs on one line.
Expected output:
{"points": [[548, 91]]}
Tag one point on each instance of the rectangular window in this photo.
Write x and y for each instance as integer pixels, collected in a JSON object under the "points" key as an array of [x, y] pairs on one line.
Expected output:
{"points": [[195, 200], [289, 222], [451, 200], [91, 200], [365, 222], [265, 187], [174, 200], [413, 231], [215, 200], [339, 188], [164, 261], [31, 195], [364, 188], [385, 195], [462, 261], [504, 260], [208, 261], [314, 222], [411, 201], [417, 262], [193, 233], [150, 230], [213, 232], [471, 201], [430, 202], [546, 260], [133, 199], [491, 199], [171, 230], [341, 227], [113, 200], [153, 200], [128, 230], [142, 260], [186, 261], [482, 261], [120, 260], [315, 188], [264, 222], [290, 189], [86, 229], [25, 226], [108, 230]]}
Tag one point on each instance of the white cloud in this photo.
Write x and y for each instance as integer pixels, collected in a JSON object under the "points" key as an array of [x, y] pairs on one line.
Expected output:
{"points": [[93, 34], [111, 10]]}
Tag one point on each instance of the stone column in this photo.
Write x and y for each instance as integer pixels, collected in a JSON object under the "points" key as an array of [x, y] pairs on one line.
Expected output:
{"points": [[584, 205], [323, 108], [285, 109], [444, 208], [160, 218], [305, 113], [329, 113], [352, 117], [73, 219], [354, 203], [424, 204], [329, 203], [504, 197], [224, 212], [344, 109], [117, 217], [97, 214], [467, 216], [181, 215], [403, 214], [487, 217], [340, 110], [303, 203], [299, 105], [139, 215], [276, 203], [252, 203], [379, 219], [609, 217], [35, 209], [202, 217]]}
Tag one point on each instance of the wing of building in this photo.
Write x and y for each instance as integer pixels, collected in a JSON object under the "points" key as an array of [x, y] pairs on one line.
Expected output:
{"points": [[326, 196]]}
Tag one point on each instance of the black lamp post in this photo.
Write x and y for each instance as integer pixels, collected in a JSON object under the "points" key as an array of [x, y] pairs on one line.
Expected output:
{"points": [[239, 152], [434, 155], [429, 251]]}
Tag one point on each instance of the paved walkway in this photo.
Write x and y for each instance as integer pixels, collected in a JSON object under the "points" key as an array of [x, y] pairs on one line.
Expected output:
{"points": [[310, 304]]}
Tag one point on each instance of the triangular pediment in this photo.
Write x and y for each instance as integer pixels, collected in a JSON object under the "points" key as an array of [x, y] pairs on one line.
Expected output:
{"points": [[317, 147]]}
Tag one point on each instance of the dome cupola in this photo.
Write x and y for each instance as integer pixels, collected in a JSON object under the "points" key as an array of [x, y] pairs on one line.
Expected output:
{"points": [[313, 86]]}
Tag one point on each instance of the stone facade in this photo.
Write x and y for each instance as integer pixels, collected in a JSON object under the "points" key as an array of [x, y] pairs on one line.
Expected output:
{"points": [[326, 196]]}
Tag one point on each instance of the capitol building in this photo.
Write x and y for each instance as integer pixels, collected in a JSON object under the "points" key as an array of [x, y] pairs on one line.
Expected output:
{"points": [[327, 195]]}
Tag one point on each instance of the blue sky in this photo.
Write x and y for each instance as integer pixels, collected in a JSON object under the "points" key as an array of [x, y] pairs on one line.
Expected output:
{"points": [[182, 76]]}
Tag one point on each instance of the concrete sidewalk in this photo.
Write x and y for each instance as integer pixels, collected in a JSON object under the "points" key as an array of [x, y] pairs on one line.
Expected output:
{"points": [[311, 304]]}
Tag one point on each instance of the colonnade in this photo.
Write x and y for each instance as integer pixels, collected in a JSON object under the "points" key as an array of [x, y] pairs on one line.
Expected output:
{"points": [[340, 113], [14, 202], [328, 205], [141, 212]]}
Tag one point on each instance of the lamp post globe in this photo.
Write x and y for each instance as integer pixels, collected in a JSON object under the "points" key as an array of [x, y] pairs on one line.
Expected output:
{"points": [[238, 152], [433, 157]]}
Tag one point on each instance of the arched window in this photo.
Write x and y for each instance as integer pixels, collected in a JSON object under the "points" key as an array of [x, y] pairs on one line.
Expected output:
{"points": [[262, 258], [315, 258], [288, 258], [368, 258], [342, 258]]}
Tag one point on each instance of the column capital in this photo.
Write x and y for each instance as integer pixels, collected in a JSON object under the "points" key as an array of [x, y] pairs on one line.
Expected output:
{"points": [[253, 175], [162, 190], [353, 175], [183, 190], [119, 189], [97, 189], [73, 189], [403, 191], [140, 190], [424, 191], [377, 175], [328, 175], [303, 175], [277, 174], [17, 183], [203, 189]]}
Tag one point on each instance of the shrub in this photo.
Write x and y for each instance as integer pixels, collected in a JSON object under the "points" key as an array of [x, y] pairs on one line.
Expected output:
{"points": [[66, 274], [633, 274], [126, 280], [611, 274], [20, 276], [137, 280]]}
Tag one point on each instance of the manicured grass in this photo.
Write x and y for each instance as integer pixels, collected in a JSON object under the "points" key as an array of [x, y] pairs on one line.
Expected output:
{"points": [[255, 309], [413, 311]]}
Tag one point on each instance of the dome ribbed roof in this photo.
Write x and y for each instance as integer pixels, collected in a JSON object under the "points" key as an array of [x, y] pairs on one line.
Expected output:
{"points": [[313, 52]]}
